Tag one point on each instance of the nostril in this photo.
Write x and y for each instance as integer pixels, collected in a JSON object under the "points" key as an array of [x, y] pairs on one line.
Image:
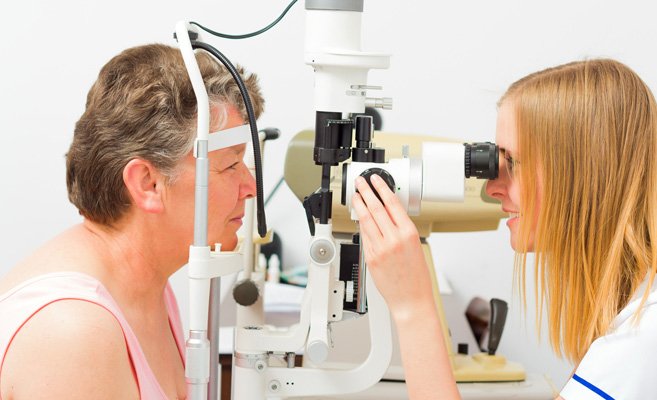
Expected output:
{"points": [[493, 189]]}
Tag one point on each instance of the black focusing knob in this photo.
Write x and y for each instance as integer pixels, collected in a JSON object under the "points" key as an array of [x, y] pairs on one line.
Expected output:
{"points": [[385, 175], [246, 292]]}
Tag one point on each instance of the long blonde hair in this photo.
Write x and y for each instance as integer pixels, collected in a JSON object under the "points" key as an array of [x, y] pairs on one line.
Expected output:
{"points": [[590, 128]]}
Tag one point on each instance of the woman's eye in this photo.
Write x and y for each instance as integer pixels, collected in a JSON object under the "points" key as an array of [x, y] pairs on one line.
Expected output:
{"points": [[510, 162], [231, 167]]}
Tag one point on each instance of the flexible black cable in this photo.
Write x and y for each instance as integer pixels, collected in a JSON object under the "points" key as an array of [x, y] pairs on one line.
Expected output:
{"points": [[246, 35], [262, 223]]}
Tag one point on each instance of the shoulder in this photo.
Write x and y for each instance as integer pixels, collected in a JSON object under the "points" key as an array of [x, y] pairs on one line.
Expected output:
{"points": [[621, 363], [71, 349], [69, 251], [637, 321], [632, 339]]}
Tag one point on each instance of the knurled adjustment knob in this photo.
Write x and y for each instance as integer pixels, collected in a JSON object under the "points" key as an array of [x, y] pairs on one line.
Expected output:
{"points": [[385, 175], [468, 160]]}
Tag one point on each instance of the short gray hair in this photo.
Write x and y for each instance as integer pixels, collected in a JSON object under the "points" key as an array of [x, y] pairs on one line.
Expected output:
{"points": [[141, 106]]}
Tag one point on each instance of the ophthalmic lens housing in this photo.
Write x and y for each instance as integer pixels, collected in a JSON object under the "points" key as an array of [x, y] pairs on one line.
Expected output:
{"points": [[437, 176], [481, 160]]}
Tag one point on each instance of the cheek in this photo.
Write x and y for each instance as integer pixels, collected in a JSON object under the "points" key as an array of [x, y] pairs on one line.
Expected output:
{"points": [[514, 193], [537, 209], [222, 196]]}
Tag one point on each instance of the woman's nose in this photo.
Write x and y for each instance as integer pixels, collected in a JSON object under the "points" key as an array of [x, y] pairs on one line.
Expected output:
{"points": [[248, 186], [494, 188]]}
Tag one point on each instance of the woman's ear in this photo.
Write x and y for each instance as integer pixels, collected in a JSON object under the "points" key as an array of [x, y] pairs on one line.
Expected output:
{"points": [[145, 185]]}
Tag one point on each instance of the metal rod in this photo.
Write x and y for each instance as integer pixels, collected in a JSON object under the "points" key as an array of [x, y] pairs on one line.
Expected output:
{"points": [[214, 387], [201, 195]]}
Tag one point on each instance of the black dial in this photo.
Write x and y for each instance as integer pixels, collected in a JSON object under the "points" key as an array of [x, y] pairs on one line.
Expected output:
{"points": [[246, 292], [385, 175]]}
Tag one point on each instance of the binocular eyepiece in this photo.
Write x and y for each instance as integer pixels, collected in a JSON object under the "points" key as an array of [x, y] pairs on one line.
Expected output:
{"points": [[482, 160]]}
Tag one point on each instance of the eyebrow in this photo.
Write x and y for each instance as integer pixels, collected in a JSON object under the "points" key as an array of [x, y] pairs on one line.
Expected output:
{"points": [[238, 149], [506, 152]]}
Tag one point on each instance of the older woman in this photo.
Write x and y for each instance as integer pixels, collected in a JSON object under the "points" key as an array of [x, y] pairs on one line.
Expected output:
{"points": [[579, 181], [90, 315]]}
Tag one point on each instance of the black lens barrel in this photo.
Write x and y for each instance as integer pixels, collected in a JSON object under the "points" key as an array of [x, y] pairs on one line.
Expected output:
{"points": [[481, 160]]}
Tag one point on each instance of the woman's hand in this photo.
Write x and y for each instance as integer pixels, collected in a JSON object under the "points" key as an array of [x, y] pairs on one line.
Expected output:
{"points": [[396, 261], [392, 249]]}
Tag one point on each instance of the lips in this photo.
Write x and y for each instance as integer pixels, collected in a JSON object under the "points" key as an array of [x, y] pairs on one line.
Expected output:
{"points": [[237, 219], [513, 216]]}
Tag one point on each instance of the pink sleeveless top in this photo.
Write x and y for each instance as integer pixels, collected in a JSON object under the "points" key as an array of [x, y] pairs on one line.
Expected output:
{"points": [[23, 301]]}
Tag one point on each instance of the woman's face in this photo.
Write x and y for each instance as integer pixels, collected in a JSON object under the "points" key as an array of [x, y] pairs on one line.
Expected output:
{"points": [[230, 183], [506, 187]]}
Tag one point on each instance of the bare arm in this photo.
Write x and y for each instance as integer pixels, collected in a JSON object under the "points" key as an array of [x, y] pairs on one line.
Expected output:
{"points": [[395, 259], [70, 350], [426, 362]]}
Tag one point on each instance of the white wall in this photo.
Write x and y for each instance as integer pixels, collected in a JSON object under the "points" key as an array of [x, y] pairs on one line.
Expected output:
{"points": [[451, 62]]}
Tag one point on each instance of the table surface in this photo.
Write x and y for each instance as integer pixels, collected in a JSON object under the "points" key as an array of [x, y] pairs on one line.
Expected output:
{"points": [[535, 387]]}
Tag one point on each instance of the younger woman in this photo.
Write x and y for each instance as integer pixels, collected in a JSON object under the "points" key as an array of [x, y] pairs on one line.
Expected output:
{"points": [[578, 178]]}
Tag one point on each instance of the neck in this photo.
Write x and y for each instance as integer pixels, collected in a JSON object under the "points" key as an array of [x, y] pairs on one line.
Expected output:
{"points": [[130, 265]]}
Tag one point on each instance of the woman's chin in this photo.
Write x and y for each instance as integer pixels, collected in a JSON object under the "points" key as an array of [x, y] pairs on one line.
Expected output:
{"points": [[227, 238], [521, 249], [229, 242]]}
